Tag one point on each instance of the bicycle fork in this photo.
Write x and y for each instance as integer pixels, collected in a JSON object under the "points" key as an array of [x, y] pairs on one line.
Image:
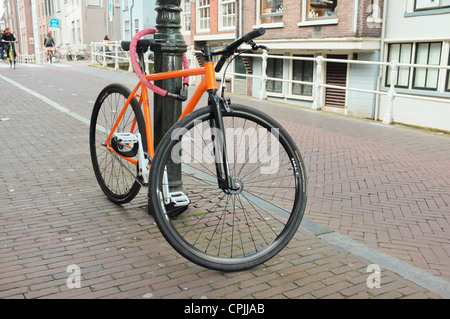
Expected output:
{"points": [[224, 178]]}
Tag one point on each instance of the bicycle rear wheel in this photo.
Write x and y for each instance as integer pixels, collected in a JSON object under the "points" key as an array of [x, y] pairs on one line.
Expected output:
{"points": [[116, 176], [230, 230]]}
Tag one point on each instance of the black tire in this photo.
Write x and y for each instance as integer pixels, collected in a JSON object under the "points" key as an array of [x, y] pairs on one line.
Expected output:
{"points": [[264, 213], [115, 175]]}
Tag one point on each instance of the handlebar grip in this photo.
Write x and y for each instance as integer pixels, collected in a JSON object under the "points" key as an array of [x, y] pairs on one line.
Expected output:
{"points": [[253, 34], [143, 43], [220, 64]]}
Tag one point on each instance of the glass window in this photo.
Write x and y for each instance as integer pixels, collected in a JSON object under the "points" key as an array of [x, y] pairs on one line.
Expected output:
{"points": [[93, 3], [447, 87], [228, 13], [431, 4], [302, 71], [271, 11], [274, 70], [186, 17], [402, 53], [427, 53], [203, 15], [321, 9]]}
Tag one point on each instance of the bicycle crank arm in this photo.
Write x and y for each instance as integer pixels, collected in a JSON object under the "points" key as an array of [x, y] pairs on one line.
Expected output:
{"points": [[143, 161], [177, 198]]}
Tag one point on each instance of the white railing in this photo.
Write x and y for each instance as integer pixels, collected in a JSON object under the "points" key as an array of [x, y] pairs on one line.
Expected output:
{"points": [[111, 53], [26, 58], [115, 55], [318, 84]]}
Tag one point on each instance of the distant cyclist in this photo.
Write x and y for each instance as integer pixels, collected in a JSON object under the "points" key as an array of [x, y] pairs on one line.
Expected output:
{"points": [[8, 36], [49, 43]]}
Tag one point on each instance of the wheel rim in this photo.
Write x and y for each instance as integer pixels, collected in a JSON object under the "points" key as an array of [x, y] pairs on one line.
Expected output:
{"points": [[117, 175], [244, 225]]}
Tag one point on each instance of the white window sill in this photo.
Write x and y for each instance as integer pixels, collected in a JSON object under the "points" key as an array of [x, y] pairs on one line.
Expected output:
{"points": [[269, 25], [324, 21], [299, 97]]}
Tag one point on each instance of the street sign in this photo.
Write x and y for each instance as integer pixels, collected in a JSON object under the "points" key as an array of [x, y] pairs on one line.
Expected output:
{"points": [[54, 23]]}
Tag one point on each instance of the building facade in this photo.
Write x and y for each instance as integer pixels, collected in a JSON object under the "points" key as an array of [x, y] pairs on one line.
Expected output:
{"points": [[136, 15], [418, 32], [297, 33], [79, 22]]}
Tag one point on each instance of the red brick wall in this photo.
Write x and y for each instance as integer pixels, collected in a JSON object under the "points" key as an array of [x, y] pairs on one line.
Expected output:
{"points": [[292, 14]]}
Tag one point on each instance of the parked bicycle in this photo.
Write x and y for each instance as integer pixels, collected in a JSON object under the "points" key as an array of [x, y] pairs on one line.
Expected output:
{"points": [[108, 55], [226, 184]]}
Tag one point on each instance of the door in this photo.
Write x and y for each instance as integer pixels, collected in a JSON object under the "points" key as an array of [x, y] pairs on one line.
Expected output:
{"points": [[240, 82]]}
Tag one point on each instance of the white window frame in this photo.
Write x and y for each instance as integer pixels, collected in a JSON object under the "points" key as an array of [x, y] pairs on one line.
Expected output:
{"points": [[222, 4], [430, 4], [305, 22], [264, 25], [186, 16], [94, 3], [200, 6]]}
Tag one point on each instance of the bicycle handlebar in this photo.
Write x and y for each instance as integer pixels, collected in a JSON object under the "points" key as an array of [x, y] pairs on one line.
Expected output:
{"points": [[227, 50]]}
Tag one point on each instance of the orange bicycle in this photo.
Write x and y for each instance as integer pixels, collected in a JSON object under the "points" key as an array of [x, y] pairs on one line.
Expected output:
{"points": [[226, 184]]}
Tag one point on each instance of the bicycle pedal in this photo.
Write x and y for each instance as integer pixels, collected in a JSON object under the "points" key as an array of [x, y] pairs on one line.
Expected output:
{"points": [[126, 138], [120, 141], [179, 199]]}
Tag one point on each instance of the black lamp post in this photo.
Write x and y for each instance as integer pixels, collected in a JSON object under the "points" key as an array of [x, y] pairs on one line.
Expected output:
{"points": [[168, 57]]}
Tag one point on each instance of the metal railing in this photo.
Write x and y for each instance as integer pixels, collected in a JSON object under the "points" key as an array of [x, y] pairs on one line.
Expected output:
{"points": [[116, 55], [111, 54], [318, 84]]}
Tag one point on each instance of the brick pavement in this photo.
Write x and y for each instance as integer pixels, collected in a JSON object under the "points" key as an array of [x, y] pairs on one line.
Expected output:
{"points": [[386, 187]]}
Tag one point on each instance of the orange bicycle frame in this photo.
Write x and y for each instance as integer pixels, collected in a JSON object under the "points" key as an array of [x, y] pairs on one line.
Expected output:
{"points": [[208, 82]]}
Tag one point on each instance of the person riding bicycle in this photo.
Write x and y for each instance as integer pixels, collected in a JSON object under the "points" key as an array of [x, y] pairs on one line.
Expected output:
{"points": [[8, 36], [49, 43]]}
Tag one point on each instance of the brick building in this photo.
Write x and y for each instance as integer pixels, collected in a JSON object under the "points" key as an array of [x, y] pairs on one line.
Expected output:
{"points": [[295, 28]]}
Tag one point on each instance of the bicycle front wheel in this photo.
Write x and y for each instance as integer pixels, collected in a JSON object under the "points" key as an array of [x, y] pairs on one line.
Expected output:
{"points": [[116, 175], [224, 229]]}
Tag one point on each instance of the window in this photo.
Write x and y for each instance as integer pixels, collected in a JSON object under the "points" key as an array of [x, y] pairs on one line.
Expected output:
{"points": [[431, 4], [271, 11], [427, 53], [228, 14], [423, 53], [186, 16], [321, 9], [274, 70], [136, 26], [93, 3], [447, 87], [48, 7], [203, 15], [302, 71], [126, 30], [402, 53]]}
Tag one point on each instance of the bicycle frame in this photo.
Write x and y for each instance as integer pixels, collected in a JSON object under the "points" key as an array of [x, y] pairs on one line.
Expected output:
{"points": [[208, 83]]}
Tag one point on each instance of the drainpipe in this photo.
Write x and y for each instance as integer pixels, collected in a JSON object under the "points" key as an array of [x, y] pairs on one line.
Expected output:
{"points": [[131, 19], [376, 108], [240, 18], [355, 16]]}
